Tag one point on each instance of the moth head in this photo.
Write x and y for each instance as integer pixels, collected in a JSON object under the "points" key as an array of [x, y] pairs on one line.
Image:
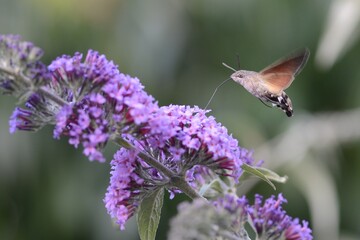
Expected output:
{"points": [[242, 75]]}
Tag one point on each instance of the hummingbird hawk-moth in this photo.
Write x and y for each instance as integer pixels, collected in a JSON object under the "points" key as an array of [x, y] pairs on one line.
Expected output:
{"points": [[269, 84]]}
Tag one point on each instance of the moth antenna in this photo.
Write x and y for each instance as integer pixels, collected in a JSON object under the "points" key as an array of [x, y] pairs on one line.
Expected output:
{"points": [[224, 64], [216, 91], [238, 60]]}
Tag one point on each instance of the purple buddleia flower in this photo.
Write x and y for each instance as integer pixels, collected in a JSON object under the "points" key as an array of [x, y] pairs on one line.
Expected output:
{"points": [[99, 102], [128, 185], [183, 137], [89, 119], [103, 103], [81, 125], [20, 58], [297, 231], [200, 178], [272, 222], [165, 137], [131, 106], [73, 79]]}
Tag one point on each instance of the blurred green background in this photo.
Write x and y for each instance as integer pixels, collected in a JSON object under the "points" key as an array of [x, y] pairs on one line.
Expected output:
{"points": [[49, 190]]}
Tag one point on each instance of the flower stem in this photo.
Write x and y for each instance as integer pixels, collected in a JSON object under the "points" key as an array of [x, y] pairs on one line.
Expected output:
{"points": [[52, 97], [42, 90], [7, 71], [180, 183]]}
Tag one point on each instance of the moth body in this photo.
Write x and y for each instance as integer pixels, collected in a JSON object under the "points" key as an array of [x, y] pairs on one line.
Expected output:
{"points": [[251, 81]]}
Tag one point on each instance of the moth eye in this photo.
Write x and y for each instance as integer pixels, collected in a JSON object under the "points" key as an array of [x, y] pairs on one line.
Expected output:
{"points": [[240, 76]]}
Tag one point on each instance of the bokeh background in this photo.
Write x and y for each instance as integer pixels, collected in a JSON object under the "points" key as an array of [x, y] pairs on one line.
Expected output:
{"points": [[49, 190]]}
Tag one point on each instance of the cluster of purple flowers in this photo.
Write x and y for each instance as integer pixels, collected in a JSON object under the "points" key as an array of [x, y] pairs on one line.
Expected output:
{"points": [[127, 187], [103, 103], [182, 137], [272, 222], [73, 79], [184, 140]]}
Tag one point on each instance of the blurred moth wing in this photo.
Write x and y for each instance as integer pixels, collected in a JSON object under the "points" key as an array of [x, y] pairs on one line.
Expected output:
{"points": [[278, 76]]}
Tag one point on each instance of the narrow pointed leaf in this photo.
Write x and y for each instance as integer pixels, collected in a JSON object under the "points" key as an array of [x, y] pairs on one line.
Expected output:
{"points": [[251, 230], [273, 176], [215, 185], [148, 217], [259, 174]]}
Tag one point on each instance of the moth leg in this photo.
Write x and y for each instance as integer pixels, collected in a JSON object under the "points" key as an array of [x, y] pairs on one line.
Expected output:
{"points": [[269, 106], [272, 99]]}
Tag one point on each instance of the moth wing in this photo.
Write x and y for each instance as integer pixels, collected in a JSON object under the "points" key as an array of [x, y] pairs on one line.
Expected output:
{"points": [[277, 82], [279, 75]]}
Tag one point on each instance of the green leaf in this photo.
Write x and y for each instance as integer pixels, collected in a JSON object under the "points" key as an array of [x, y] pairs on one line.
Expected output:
{"points": [[215, 185], [259, 174], [273, 176], [149, 213], [250, 229], [123, 143]]}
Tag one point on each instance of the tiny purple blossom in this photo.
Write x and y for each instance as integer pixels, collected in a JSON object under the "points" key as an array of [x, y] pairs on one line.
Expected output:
{"points": [[21, 119], [176, 152], [61, 120], [199, 176], [84, 119], [91, 151], [297, 231]]}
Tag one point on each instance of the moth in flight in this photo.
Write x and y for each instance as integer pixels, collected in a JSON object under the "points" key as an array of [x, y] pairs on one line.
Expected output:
{"points": [[269, 84]]}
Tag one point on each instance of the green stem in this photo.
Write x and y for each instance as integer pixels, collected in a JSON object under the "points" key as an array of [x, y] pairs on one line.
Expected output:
{"points": [[52, 97], [42, 90], [8, 71], [183, 185]]}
